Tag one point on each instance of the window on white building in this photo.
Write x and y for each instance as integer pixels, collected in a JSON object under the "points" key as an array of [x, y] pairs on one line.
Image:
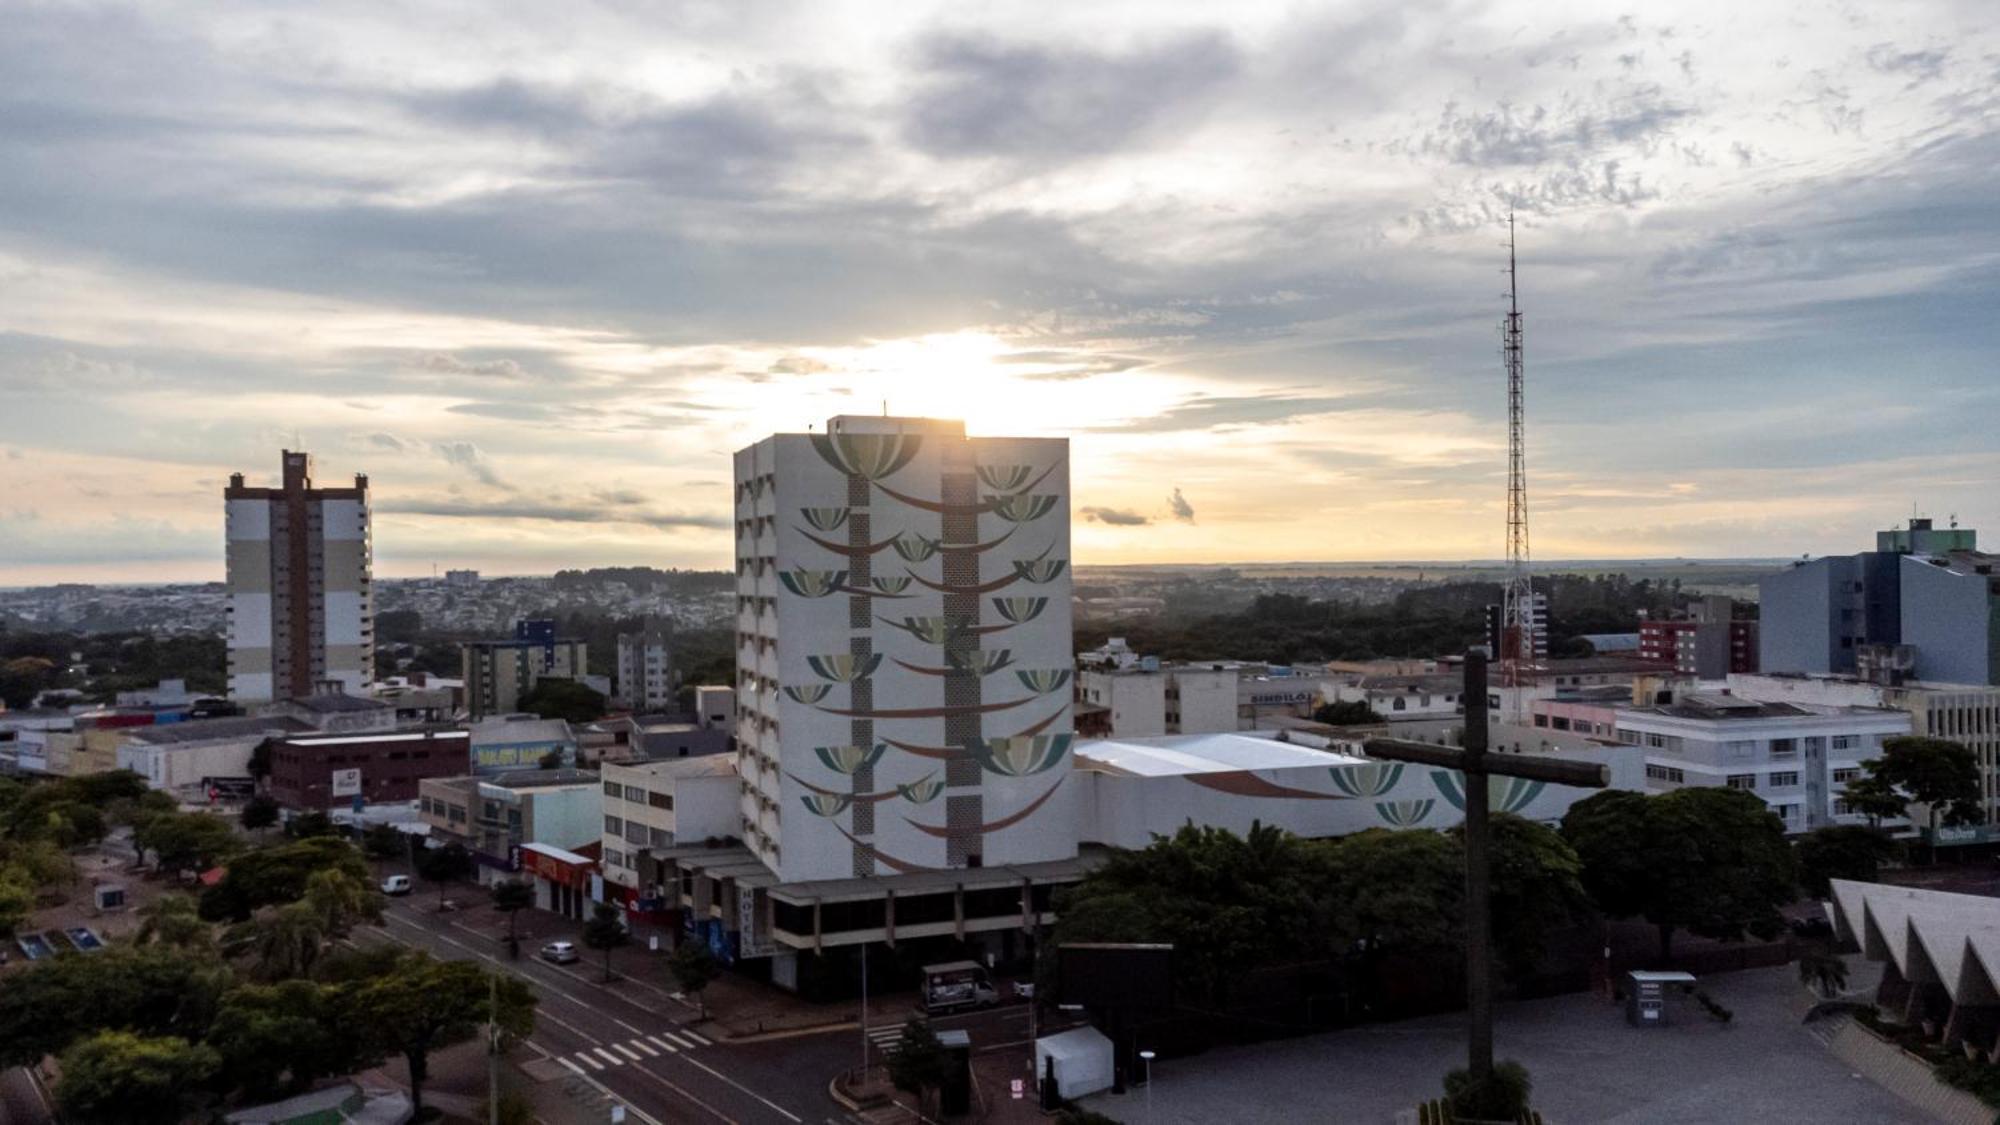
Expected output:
{"points": [[1665, 773], [1784, 779], [1784, 747], [1788, 813], [1843, 742], [614, 826], [1742, 781], [1846, 774]]}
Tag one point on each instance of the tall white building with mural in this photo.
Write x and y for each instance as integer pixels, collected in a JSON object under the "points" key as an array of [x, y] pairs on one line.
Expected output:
{"points": [[904, 650]]}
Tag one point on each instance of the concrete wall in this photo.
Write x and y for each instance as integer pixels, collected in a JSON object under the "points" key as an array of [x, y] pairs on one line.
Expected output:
{"points": [[1799, 630]]}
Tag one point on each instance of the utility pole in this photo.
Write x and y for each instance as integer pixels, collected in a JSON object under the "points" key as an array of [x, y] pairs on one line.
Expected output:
{"points": [[864, 1010], [492, 1050]]}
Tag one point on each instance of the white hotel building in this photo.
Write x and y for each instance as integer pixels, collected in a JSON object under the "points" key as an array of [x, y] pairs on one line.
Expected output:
{"points": [[301, 614], [1796, 756]]}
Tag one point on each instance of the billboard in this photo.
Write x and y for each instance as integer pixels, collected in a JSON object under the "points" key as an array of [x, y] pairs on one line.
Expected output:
{"points": [[346, 783]]}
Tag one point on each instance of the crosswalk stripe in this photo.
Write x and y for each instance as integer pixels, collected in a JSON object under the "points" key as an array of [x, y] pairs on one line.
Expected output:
{"points": [[696, 1036], [669, 1047], [614, 1060], [677, 1039], [594, 1064], [646, 1047], [626, 1051], [571, 1065]]}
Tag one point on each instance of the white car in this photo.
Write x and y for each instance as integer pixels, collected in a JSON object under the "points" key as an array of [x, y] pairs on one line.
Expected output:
{"points": [[559, 952], [396, 885]]}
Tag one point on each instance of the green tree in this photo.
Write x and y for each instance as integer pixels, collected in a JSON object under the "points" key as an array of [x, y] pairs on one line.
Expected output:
{"points": [[425, 1004], [510, 897], [1710, 860], [278, 874], [149, 991], [1823, 971], [309, 825], [339, 901], [1536, 888], [569, 700], [1346, 713], [444, 866], [174, 921], [605, 931], [1937, 773], [116, 1076], [918, 1064], [279, 1039], [385, 841], [259, 812], [1843, 851], [694, 969], [1875, 798], [17, 901], [287, 941], [184, 842]]}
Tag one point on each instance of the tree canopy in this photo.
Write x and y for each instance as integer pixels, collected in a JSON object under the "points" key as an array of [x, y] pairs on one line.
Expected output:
{"points": [[423, 1004], [1710, 860], [1937, 773], [569, 700], [116, 1077], [1843, 851], [278, 874]]}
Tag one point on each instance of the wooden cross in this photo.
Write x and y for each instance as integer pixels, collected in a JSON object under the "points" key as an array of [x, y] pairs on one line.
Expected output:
{"points": [[1471, 759]]}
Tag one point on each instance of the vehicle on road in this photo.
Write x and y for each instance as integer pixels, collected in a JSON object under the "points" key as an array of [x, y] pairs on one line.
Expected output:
{"points": [[396, 885], [957, 984], [559, 952]]}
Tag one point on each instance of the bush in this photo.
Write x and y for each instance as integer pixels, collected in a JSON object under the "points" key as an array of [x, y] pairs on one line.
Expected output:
{"points": [[1502, 1097]]}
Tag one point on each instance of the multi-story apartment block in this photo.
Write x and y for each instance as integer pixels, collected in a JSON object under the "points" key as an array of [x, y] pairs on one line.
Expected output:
{"points": [[498, 673], [1709, 644], [1968, 714], [653, 806], [1924, 605], [904, 649], [301, 614], [1798, 757], [646, 679]]}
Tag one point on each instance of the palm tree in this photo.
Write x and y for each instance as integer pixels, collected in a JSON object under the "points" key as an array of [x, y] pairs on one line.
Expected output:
{"points": [[289, 941], [1823, 971], [339, 900], [171, 920]]}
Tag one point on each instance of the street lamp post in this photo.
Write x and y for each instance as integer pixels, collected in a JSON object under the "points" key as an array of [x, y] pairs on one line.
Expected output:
{"points": [[1147, 1058]]}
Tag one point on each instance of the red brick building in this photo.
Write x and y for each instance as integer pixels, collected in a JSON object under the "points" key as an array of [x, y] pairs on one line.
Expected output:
{"points": [[1709, 649], [325, 771]]}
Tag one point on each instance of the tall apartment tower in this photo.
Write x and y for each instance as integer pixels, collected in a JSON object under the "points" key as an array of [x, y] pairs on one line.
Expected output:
{"points": [[646, 680], [301, 613], [904, 654]]}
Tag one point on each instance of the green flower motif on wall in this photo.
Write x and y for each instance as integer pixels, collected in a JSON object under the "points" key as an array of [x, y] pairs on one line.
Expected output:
{"points": [[1371, 780], [1005, 478], [812, 583], [807, 693], [849, 760], [983, 662], [913, 547], [826, 804], [1023, 509], [922, 792], [843, 668], [1503, 794], [825, 519], [1020, 611], [1404, 814], [1022, 756], [871, 457], [1041, 681]]}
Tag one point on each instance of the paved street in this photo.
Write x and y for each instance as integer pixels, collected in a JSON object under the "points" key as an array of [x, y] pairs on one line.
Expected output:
{"points": [[629, 1039]]}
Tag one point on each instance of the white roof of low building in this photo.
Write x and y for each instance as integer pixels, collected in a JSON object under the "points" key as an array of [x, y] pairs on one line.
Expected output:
{"points": [[1183, 754], [1951, 939]]}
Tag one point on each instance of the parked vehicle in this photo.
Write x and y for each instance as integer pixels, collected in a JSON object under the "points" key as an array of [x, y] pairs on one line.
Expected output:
{"points": [[957, 984], [559, 953], [396, 885]]}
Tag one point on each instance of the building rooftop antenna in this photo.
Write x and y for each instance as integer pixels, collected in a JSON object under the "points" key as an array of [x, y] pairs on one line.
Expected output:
{"points": [[1518, 618]]}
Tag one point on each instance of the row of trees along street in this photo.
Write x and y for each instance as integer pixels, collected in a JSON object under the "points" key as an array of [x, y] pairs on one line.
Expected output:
{"points": [[1273, 933], [244, 994]]}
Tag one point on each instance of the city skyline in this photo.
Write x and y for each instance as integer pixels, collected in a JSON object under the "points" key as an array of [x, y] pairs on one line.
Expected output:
{"points": [[539, 288]]}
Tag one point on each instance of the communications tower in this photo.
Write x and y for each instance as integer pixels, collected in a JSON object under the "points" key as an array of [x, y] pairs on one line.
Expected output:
{"points": [[1520, 622]]}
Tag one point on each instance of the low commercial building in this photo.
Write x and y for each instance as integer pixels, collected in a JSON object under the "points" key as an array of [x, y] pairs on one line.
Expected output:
{"points": [[1150, 699], [197, 760], [1398, 698], [320, 772], [504, 743], [652, 807], [1797, 757], [335, 712], [492, 817]]}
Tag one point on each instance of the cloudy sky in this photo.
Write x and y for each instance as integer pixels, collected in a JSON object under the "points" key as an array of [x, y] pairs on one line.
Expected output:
{"points": [[537, 269]]}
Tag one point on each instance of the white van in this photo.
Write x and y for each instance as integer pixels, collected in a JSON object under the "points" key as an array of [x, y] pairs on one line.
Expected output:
{"points": [[396, 885]]}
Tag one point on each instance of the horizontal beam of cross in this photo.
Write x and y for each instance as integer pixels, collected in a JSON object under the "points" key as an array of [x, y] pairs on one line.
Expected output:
{"points": [[1558, 771]]}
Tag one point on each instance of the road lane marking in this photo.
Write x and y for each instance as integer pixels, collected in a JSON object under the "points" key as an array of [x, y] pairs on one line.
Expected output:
{"points": [[670, 1048], [696, 1036], [627, 1052], [721, 1077], [677, 1039], [594, 1064], [614, 1060], [646, 1047], [571, 1065]]}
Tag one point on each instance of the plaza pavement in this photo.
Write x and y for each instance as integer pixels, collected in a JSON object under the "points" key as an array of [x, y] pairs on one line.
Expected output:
{"points": [[1588, 1066]]}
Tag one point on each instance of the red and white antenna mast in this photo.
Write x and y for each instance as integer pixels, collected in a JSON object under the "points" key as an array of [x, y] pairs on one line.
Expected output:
{"points": [[1519, 621]]}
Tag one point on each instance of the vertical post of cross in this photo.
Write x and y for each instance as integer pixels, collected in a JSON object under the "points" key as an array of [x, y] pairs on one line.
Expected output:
{"points": [[1478, 892]]}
